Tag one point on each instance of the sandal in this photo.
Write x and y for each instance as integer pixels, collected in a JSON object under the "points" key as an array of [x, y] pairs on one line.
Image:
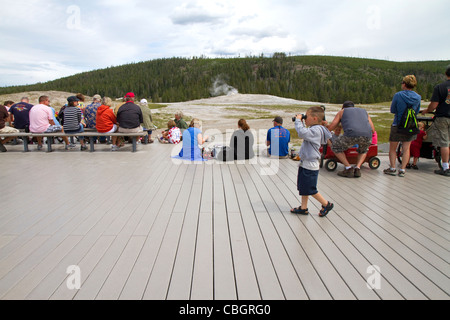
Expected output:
{"points": [[325, 210], [299, 210]]}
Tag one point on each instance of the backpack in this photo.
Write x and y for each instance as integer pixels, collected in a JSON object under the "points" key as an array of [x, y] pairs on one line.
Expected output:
{"points": [[408, 122]]}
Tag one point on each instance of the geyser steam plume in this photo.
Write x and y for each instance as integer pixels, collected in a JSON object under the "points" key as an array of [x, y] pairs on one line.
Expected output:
{"points": [[221, 88]]}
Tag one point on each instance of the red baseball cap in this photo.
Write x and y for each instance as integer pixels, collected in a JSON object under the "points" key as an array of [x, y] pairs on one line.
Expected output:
{"points": [[129, 95]]}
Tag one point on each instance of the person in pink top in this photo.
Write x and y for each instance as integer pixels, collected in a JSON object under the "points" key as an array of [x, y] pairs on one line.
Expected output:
{"points": [[41, 120]]}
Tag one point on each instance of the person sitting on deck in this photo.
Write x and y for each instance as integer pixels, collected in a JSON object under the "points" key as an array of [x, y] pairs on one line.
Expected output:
{"points": [[192, 138], [278, 139], [179, 121], [172, 135], [241, 144]]}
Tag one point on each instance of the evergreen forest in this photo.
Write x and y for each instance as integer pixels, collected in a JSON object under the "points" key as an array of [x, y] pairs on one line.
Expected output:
{"points": [[311, 78]]}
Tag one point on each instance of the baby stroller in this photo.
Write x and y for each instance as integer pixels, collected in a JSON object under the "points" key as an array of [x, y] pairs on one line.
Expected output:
{"points": [[427, 151]]}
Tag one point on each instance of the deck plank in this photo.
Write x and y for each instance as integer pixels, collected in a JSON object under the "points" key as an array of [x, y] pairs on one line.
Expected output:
{"points": [[181, 279], [203, 274], [140, 226], [246, 282]]}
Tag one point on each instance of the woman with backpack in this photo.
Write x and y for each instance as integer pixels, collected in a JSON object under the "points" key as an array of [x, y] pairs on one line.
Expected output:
{"points": [[402, 101]]}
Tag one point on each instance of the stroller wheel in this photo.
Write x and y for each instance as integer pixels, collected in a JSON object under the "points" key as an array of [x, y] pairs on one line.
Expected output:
{"points": [[331, 165], [399, 153], [437, 156], [374, 163]]}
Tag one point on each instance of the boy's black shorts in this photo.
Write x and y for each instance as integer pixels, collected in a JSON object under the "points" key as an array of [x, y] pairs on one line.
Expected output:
{"points": [[307, 181]]}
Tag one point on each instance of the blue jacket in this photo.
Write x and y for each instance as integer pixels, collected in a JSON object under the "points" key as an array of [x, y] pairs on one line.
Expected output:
{"points": [[401, 100]]}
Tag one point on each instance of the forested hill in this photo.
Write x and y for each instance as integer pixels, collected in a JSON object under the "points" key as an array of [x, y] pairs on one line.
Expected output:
{"points": [[311, 78]]}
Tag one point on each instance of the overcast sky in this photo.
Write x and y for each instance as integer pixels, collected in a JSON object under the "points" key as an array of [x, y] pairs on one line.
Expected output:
{"points": [[43, 40]]}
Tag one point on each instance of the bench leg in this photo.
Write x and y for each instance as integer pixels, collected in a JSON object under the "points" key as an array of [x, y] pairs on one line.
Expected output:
{"points": [[91, 142], [49, 144], [25, 144], [134, 144]]}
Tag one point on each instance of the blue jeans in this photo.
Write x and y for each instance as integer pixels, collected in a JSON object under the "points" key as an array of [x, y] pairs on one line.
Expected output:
{"points": [[79, 130]]}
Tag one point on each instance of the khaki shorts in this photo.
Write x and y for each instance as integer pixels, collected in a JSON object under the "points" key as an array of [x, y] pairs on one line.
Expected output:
{"points": [[132, 130], [9, 130], [441, 132]]}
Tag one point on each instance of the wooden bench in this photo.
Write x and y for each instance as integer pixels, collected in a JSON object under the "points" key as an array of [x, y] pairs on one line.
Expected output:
{"points": [[90, 134]]}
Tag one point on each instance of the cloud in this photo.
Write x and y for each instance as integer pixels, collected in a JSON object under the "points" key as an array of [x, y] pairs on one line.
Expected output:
{"points": [[200, 12], [67, 37]]}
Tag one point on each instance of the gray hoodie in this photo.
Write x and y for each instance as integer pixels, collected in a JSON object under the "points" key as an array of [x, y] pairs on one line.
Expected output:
{"points": [[313, 137]]}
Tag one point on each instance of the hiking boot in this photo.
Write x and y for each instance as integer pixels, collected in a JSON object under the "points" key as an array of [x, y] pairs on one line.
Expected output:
{"points": [[347, 173], [2, 147], [401, 173], [443, 172], [390, 171], [357, 173]]}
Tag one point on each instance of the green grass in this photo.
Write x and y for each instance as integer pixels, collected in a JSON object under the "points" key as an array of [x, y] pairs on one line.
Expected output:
{"points": [[157, 106], [382, 123]]}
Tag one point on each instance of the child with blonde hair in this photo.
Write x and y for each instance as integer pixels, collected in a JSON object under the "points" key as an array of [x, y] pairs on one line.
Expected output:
{"points": [[416, 145]]}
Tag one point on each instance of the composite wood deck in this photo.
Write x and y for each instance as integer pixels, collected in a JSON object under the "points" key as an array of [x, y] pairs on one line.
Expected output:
{"points": [[140, 226]]}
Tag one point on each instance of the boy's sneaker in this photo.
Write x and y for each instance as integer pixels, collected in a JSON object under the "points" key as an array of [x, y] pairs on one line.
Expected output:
{"points": [[390, 171], [83, 148], [70, 146], [401, 173], [114, 148], [347, 173], [2, 147], [443, 172], [357, 173], [39, 147]]}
